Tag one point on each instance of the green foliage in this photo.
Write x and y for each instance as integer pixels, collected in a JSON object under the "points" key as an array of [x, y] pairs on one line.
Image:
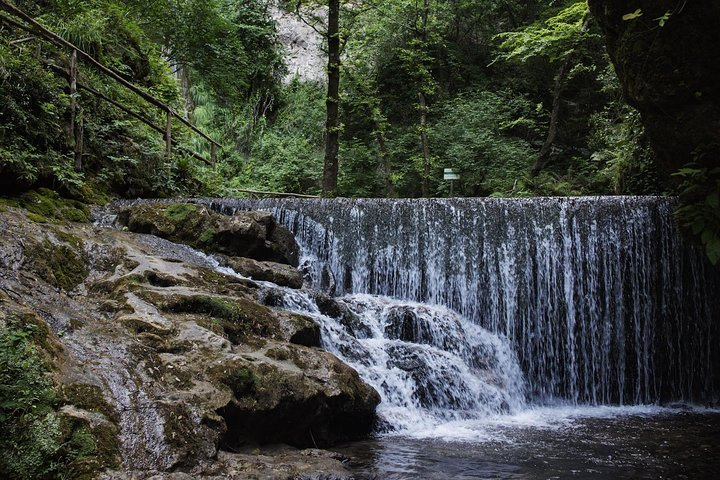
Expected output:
{"points": [[554, 38], [699, 210], [31, 106], [36, 442], [482, 136], [219, 61], [286, 154]]}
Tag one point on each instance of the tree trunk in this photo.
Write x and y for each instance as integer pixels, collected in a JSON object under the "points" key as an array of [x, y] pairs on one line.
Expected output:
{"points": [[385, 157], [425, 145], [332, 124], [544, 155]]}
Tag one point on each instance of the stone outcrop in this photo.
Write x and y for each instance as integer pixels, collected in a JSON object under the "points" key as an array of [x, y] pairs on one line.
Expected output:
{"points": [[253, 235], [669, 73], [283, 275], [178, 365]]}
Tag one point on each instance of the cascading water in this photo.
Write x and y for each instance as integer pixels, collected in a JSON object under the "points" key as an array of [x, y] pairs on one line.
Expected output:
{"points": [[429, 365], [599, 297]]}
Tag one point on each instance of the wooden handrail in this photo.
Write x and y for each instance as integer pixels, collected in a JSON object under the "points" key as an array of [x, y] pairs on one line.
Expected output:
{"points": [[44, 32], [277, 194], [130, 112]]}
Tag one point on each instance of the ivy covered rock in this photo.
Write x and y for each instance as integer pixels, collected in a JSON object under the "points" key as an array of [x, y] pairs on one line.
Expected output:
{"points": [[253, 235]]}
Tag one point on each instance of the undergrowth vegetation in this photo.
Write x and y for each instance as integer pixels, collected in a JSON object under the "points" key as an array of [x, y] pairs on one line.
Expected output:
{"points": [[37, 441]]}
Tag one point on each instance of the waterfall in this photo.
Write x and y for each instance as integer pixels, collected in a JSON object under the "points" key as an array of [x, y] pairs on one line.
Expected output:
{"points": [[429, 365], [600, 298]]}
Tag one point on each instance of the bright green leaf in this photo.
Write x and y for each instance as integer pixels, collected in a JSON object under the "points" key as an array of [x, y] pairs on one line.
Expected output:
{"points": [[632, 16]]}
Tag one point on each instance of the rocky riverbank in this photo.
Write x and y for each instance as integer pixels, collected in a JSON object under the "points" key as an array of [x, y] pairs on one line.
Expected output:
{"points": [[163, 365]]}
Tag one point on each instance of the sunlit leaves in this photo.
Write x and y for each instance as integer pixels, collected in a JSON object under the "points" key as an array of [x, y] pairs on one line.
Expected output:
{"points": [[633, 15], [554, 38]]}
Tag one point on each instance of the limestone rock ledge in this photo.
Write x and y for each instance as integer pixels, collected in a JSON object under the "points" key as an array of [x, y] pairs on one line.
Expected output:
{"points": [[191, 376]]}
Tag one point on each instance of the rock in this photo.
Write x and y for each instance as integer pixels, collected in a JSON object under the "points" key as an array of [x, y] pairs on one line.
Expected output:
{"points": [[669, 73], [300, 396], [167, 363], [278, 273], [253, 235], [330, 307], [301, 330]]}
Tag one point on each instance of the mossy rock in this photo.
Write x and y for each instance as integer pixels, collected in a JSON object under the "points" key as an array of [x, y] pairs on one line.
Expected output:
{"points": [[48, 204], [239, 318], [61, 265], [180, 212], [36, 218], [253, 235], [242, 381], [93, 442], [46, 442], [88, 397]]}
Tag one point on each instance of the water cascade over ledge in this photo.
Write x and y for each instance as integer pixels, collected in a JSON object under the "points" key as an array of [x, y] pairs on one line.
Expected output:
{"points": [[600, 298]]}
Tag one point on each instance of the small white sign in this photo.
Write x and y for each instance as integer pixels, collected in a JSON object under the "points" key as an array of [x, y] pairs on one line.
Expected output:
{"points": [[449, 174]]}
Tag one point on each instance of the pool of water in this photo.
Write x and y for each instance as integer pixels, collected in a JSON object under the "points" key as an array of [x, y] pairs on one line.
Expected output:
{"points": [[589, 443]]}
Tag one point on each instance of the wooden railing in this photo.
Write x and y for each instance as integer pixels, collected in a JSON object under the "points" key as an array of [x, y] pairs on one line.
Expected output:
{"points": [[32, 26]]}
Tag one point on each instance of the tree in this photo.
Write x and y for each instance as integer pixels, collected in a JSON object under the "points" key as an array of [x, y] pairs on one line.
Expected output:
{"points": [[332, 124], [557, 39]]}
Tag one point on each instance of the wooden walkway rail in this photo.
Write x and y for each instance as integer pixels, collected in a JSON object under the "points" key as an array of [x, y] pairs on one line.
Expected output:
{"points": [[32, 26]]}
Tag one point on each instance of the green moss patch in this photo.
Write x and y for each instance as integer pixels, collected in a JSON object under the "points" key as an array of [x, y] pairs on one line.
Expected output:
{"points": [[179, 212], [37, 441], [239, 318], [49, 204], [242, 381], [37, 218], [60, 265], [90, 398]]}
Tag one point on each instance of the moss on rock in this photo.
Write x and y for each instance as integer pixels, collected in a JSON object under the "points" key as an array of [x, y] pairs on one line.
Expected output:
{"points": [[239, 317], [244, 234], [48, 204], [60, 265]]}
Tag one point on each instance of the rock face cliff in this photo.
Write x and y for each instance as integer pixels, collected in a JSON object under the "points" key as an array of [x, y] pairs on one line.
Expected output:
{"points": [[172, 367], [668, 61]]}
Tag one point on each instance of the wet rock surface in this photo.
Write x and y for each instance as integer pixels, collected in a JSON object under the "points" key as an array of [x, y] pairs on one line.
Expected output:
{"points": [[174, 362], [278, 273], [254, 235]]}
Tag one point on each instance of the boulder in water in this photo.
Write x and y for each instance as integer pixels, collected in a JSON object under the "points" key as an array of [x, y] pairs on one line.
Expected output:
{"points": [[296, 395]]}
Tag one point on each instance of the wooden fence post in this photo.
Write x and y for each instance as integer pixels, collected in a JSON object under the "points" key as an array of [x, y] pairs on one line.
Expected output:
{"points": [[168, 136], [75, 132], [213, 155], [79, 139]]}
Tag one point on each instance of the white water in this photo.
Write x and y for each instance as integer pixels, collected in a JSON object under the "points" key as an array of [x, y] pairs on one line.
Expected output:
{"points": [[566, 308], [599, 297], [429, 365]]}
